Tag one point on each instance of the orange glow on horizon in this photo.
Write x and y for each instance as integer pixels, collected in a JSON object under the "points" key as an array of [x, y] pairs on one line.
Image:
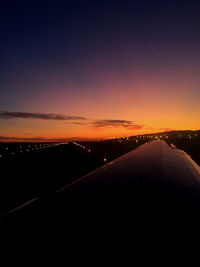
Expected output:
{"points": [[155, 103], [99, 72]]}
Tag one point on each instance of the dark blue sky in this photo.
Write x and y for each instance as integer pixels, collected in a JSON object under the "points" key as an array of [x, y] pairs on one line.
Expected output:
{"points": [[62, 34]]}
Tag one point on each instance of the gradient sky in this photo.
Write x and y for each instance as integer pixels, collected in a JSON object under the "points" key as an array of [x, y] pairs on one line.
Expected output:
{"points": [[98, 69]]}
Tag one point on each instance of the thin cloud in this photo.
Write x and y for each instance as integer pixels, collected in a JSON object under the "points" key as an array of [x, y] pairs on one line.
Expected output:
{"points": [[76, 120], [129, 125], [42, 116], [135, 127]]}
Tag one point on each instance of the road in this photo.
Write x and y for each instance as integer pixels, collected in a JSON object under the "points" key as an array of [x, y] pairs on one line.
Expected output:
{"points": [[153, 164], [153, 177]]}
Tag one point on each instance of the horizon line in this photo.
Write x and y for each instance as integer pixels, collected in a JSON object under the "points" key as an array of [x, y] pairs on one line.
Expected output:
{"points": [[8, 139]]}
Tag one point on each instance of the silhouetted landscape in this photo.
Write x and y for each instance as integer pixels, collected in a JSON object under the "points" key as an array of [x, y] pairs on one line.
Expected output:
{"points": [[39, 169]]}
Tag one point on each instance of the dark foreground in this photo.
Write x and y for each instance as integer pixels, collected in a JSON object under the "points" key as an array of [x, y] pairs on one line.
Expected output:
{"points": [[154, 176], [152, 179], [36, 170], [154, 163]]}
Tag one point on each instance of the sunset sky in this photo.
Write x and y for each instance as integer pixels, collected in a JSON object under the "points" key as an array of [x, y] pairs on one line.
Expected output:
{"points": [[98, 69]]}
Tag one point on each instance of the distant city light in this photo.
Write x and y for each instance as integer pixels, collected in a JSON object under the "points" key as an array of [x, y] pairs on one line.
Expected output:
{"points": [[105, 159], [89, 150], [1, 156]]}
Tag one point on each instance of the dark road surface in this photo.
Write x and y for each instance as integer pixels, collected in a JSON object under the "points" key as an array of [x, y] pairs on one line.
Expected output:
{"points": [[153, 177], [154, 163]]}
